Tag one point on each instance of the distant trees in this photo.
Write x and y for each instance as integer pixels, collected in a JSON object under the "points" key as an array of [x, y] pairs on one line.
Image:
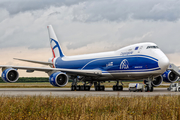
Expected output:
{"points": [[31, 79]]}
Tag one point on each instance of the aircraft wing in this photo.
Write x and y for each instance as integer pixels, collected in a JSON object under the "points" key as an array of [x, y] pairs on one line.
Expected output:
{"points": [[67, 71], [33, 61]]}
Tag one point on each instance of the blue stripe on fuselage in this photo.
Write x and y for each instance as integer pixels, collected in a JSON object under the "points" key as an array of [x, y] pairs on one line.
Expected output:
{"points": [[123, 71], [136, 62]]}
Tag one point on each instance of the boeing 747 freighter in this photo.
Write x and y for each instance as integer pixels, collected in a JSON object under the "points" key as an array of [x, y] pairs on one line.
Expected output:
{"points": [[142, 61]]}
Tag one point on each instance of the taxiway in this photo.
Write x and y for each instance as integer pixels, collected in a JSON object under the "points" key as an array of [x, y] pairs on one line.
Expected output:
{"points": [[68, 92]]}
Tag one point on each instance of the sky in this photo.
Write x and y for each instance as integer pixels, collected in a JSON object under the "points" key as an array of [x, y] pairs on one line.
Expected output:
{"points": [[85, 26]]}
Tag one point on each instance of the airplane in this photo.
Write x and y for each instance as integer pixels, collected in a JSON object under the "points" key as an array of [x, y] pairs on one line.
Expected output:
{"points": [[142, 61]]}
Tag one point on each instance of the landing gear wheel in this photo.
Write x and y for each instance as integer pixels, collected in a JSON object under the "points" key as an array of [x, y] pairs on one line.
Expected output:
{"points": [[78, 88], [117, 87], [73, 88], [87, 87], [96, 88], [121, 88], [114, 88], [82, 87], [151, 90], [146, 89], [99, 88]]}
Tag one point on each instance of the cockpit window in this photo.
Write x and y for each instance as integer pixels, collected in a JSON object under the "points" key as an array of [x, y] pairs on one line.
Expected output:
{"points": [[152, 47]]}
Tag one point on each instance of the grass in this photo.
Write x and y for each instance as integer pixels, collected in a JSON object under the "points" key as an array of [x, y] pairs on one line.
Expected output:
{"points": [[90, 108]]}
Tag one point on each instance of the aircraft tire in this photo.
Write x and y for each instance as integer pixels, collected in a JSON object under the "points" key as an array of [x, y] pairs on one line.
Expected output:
{"points": [[78, 88], [99, 88], [87, 88], [151, 89], [179, 89], [121, 88], [73, 88], [96, 88], [115, 88], [102, 88], [146, 88]]}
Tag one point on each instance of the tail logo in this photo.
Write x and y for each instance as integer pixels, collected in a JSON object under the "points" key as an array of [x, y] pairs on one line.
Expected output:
{"points": [[56, 46]]}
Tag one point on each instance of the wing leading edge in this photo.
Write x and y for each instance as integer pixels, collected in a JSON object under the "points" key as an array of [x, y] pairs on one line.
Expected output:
{"points": [[33, 61], [67, 71]]}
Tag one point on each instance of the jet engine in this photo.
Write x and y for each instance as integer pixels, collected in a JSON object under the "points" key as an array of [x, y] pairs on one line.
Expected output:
{"points": [[156, 82], [170, 76], [10, 75], [58, 79]]}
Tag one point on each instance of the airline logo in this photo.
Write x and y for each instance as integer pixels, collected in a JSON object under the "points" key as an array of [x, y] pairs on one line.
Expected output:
{"points": [[56, 48], [124, 64]]}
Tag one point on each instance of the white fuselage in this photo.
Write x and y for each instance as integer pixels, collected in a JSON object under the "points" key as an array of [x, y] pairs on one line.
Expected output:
{"points": [[138, 61]]}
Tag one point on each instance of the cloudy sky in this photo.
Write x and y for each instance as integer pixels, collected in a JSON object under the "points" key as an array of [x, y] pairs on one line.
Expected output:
{"points": [[86, 26]]}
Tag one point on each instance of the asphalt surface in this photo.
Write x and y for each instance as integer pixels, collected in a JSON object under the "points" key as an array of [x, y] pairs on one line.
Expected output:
{"points": [[67, 92]]}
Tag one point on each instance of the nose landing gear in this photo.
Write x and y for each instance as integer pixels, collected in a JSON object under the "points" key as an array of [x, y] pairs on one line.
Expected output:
{"points": [[149, 87]]}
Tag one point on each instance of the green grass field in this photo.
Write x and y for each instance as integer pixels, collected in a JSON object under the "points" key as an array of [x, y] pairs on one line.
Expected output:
{"points": [[90, 108]]}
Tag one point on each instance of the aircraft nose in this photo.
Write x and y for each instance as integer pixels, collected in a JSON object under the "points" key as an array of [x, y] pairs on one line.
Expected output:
{"points": [[164, 63]]}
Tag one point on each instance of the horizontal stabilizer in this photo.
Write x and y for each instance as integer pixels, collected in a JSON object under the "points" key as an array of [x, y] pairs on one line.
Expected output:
{"points": [[33, 61]]}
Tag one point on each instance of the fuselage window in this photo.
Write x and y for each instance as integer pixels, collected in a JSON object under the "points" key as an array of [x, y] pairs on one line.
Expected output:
{"points": [[152, 47]]}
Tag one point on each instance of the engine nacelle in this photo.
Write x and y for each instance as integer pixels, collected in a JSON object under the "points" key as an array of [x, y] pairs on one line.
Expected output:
{"points": [[170, 76], [10, 75], [58, 79], [156, 82]]}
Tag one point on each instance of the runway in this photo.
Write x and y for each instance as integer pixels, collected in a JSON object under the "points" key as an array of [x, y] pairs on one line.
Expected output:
{"points": [[67, 92]]}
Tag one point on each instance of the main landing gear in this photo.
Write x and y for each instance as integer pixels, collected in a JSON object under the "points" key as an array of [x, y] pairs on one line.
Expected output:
{"points": [[75, 87], [118, 87], [98, 87], [149, 87]]}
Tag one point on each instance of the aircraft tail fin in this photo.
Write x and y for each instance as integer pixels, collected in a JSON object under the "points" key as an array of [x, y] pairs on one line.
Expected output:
{"points": [[55, 46]]}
